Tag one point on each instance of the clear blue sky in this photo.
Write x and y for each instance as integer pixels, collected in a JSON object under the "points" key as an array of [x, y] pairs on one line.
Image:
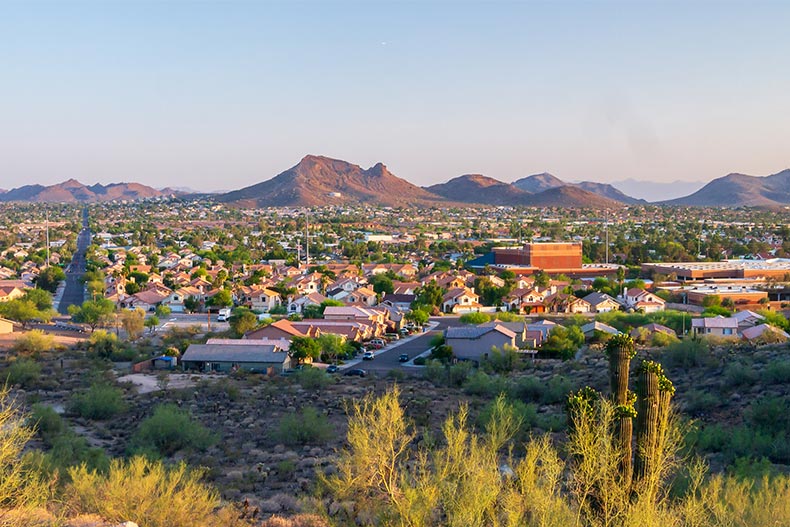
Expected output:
{"points": [[217, 95]]}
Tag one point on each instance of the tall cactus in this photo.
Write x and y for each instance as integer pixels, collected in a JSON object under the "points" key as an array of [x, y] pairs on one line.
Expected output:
{"points": [[654, 394], [621, 349]]}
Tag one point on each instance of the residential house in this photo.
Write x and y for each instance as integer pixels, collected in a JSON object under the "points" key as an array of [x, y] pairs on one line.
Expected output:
{"points": [[595, 327], [764, 333], [475, 342], [644, 301], [281, 329], [715, 326], [298, 304], [264, 300], [526, 300], [363, 295], [601, 302], [748, 319], [565, 303], [460, 300], [231, 357], [646, 331]]}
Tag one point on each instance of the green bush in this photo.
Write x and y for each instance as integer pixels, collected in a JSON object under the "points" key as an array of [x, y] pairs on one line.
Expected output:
{"points": [[420, 361], [70, 449], [526, 415], [687, 353], [557, 390], [480, 383], [169, 430], [737, 374], [699, 401], [770, 414], [777, 372], [49, 424], [99, 402], [474, 318], [24, 372], [529, 388], [312, 378], [305, 427]]}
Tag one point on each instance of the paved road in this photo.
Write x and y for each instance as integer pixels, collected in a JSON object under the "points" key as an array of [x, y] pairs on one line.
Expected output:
{"points": [[387, 359], [74, 291]]}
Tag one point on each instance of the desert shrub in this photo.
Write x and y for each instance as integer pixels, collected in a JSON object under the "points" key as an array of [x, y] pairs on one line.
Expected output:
{"points": [[169, 430], [305, 427], [528, 388], [526, 416], [33, 342], [312, 378], [738, 374], [101, 401], [420, 361], [687, 353], [23, 372], [557, 390], [699, 401], [770, 414], [48, 423], [19, 486], [145, 492], [474, 318], [480, 383], [662, 340], [70, 449], [502, 361], [777, 372]]}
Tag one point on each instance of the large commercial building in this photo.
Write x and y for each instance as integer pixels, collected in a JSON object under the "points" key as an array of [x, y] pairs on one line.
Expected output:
{"points": [[550, 257], [778, 268]]}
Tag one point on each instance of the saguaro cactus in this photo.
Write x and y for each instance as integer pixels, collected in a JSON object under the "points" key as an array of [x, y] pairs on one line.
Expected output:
{"points": [[621, 349], [654, 393]]}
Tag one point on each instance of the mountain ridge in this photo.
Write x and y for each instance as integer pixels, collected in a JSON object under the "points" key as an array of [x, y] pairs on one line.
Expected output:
{"points": [[72, 191]]}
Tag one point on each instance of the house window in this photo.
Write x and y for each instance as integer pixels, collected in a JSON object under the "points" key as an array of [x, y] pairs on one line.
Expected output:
{"points": [[728, 331]]}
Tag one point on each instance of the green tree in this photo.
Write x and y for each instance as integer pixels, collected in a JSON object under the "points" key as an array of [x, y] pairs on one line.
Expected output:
{"points": [[163, 311], [242, 320], [418, 316], [41, 298], [222, 298], [133, 322], [24, 311], [332, 346], [542, 279], [303, 348], [382, 284], [94, 313], [50, 278], [151, 323]]}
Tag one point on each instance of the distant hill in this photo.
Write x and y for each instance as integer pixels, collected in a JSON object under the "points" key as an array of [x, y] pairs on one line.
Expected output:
{"points": [[741, 190], [319, 180], [608, 191], [570, 196], [72, 191], [476, 188], [539, 182]]}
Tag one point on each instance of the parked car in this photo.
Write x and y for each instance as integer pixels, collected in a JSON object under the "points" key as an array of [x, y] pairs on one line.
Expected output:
{"points": [[404, 357], [391, 336], [368, 355], [332, 368], [355, 373]]}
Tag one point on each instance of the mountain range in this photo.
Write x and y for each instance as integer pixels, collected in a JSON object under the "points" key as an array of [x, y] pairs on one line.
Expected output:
{"points": [[72, 191], [741, 190], [319, 180]]}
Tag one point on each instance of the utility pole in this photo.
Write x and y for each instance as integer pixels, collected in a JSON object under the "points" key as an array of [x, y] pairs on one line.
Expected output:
{"points": [[47, 224], [606, 228], [307, 238]]}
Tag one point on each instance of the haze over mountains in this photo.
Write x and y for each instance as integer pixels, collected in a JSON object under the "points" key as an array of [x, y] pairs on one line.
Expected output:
{"points": [[319, 180], [72, 191]]}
